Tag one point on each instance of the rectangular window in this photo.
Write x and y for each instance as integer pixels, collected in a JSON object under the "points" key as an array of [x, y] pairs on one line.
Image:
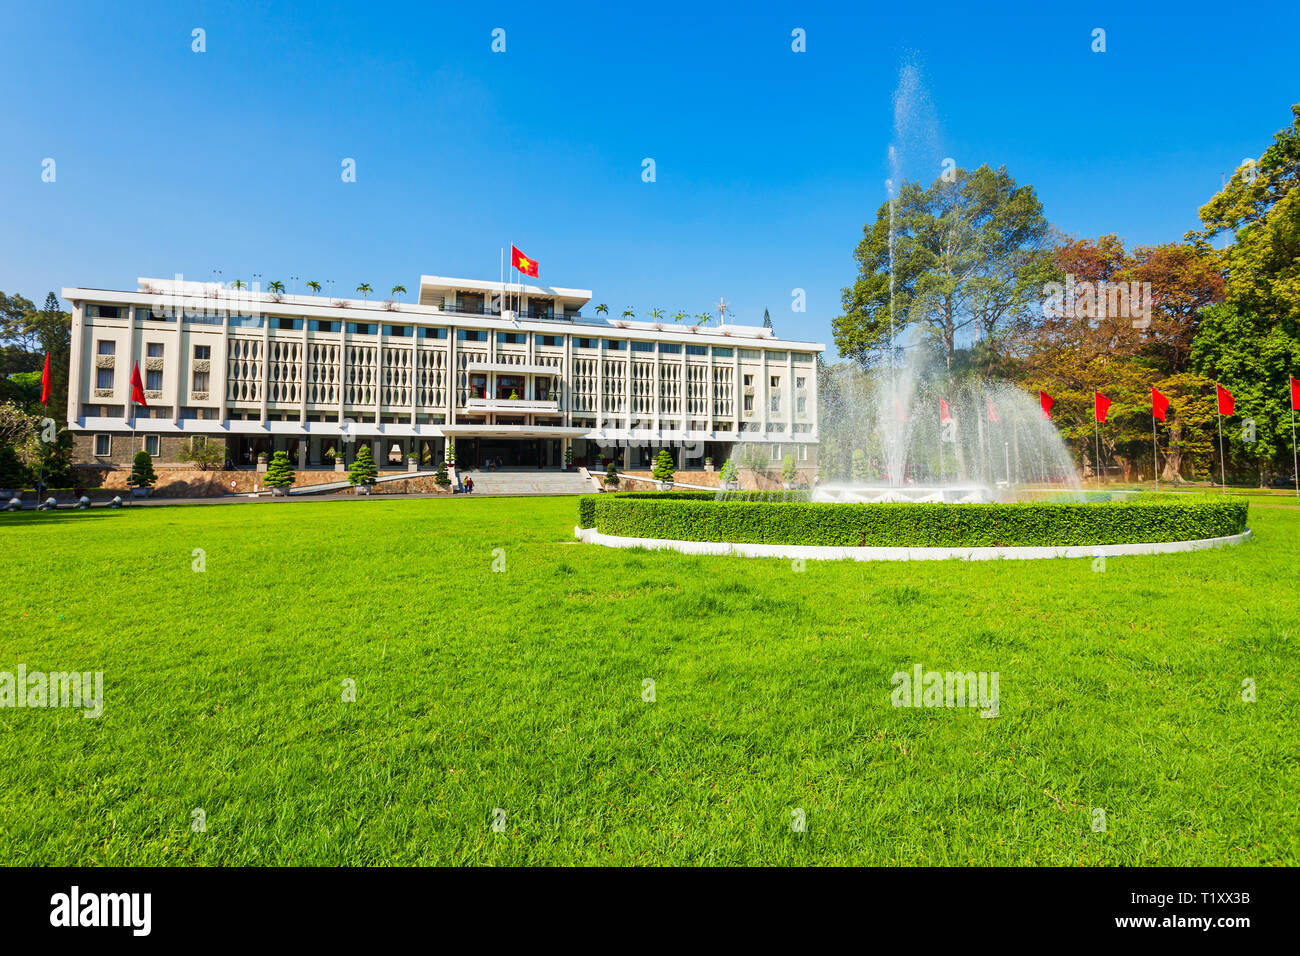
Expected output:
{"points": [[749, 403], [200, 381], [750, 353], [614, 345], [512, 338], [286, 324], [749, 381], [775, 381], [799, 381], [398, 331], [803, 452], [107, 347], [697, 350], [152, 444], [643, 346], [103, 446], [203, 352], [245, 321], [720, 351], [322, 325], [205, 317], [510, 386], [471, 335], [363, 328], [478, 386], [776, 403], [106, 311], [103, 378], [669, 348], [427, 333], [154, 350], [776, 356], [584, 343], [153, 379], [551, 341], [801, 405]]}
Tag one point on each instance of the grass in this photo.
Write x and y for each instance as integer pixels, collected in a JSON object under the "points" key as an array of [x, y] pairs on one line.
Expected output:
{"points": [[523, 690]]}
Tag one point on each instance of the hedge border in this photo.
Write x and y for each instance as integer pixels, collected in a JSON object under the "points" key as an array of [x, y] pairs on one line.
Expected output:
{"points": [[686, 516]]}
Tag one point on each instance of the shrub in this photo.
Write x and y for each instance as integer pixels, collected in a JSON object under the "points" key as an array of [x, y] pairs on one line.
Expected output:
{"points": [[691, 517], [611, 475], [142, 474], [12, 472], [363, 470], [753, 458], [663, 469], [441, 476], [729, 472], [202, 454], [279, 473], [568, 457], [450, 457]]}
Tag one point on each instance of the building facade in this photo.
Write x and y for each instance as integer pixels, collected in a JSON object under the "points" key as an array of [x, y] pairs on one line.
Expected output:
{"points": [[519, 375]]}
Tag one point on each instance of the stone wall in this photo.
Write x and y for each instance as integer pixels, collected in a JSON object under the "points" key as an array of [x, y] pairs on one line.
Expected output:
{"points": [[185, 483], [122, 448]]}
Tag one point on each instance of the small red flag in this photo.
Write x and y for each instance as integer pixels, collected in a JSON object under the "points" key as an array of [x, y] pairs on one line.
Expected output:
{"points": [[1101, 405], [1226, 403], [944, 414], [1295, 394], [1159, 404], [45, 381], [993, 412], [137, 387], [521, 262], [1046, 402]]}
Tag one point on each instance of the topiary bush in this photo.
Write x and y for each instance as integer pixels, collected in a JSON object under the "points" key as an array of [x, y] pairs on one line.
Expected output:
{"points": [[663, 469], [363, 470], [440, 476], [279, 473], [693, 517], [142, 473], [611, 475]]}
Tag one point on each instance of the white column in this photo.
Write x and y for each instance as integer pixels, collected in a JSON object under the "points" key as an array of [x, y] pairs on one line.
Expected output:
{"points": [[77, 362]]}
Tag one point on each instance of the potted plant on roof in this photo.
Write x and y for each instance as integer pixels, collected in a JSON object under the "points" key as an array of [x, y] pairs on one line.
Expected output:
{"points": [[279, 476], [663, 470], [362, 474]]}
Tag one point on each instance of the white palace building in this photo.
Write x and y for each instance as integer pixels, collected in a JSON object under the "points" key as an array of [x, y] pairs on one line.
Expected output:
{"points": [[312, 375]]}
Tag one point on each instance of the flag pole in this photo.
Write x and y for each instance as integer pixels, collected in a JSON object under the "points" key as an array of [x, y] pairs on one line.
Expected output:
{"points": [[1096, 428], [1155, 450], [1223, 468], [1295, 470]]}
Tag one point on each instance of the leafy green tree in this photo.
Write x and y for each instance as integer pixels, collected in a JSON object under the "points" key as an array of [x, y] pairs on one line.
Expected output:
{"points": [[663, 468], [861, 470], [753, 458], [314, 286], [202, 454], [398, 290], [279, 473], [142, 473], [602, 309], [363, 470], [730, 474], [971, 255], [276, 287], [364, 289], [789, 472]]}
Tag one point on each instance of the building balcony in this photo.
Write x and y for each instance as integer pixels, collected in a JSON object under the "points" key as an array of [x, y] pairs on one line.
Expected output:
{"points": [[515, 369], [537, 406]]}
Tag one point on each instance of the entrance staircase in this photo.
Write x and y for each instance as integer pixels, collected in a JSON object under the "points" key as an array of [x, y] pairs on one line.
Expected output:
{"points": [[528, 481]]}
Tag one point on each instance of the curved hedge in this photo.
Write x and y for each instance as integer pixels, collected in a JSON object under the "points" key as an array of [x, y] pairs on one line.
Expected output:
{"points": [[697, 517]]}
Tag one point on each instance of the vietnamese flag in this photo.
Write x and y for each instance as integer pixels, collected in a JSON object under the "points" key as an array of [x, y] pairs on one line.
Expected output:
{"points": [[1159, 404], [1046, 402], [521, 262], [137, 387], [993, 412], [45, 381], [1295, 394], [944, 414], [1101, 406], [1226, 403]]}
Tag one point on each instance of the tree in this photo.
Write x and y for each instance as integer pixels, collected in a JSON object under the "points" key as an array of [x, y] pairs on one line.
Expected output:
{"points": [[363, 470], [314, 286], [789, 472], [729, 473], [767, 320], [450, 454], [279, 473], [628, 313], [201, 453], [276, 287], [142, 473], [657, 315], [602, 309], [399, 290], [440, 476], [13, 474], [611, 475], [753, 458], [364, 289], [568, 456], [663, 468], [861, 470], [970, 254]]}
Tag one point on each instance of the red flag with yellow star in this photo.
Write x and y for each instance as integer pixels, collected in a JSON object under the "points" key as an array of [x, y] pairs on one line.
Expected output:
{"points": [[521, 262]]}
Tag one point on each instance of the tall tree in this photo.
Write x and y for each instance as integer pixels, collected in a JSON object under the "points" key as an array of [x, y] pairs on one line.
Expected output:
{"points": [[971, 254]]}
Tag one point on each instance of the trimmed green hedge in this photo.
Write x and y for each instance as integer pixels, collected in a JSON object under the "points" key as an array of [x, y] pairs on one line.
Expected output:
{"points": [[587, 503], [908, 525]]}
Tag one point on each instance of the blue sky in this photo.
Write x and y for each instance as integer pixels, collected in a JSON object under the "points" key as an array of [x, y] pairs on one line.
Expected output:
{"points": [[768, 162]]}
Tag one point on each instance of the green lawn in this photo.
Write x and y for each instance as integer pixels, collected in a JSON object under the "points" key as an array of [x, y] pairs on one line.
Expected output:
{"points": [[522, 690]]}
